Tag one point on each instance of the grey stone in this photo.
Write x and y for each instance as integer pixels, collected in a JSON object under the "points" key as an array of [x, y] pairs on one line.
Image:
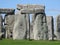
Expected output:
{"points": [[50, 25], [7, 11], [32, 11], [28, 25], [31, 26], [39, 28], [1, 23], [39, 23], [20, 28], [30, 6], [9, 24], [1, 33], [58, 27], [31, 31]]}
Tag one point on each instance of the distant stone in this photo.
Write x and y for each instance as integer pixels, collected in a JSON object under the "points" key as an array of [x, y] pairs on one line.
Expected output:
{"points": [[50, 25], [20, 29], [7, 11], [38, 29], [1, 33], [58, 27], [32, 11], [31, 31], [9, 24], [19, 6]]}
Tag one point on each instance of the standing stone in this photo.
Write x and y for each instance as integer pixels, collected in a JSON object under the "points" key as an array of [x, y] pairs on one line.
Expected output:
{"points": [[9, 24], [7, 11], [27, 21], [0, 23], [50, 24], [39, 23], [58, 27], [20, 28], [31, 31], [31, 26], [1, 33], [28, 25], [39, 28], [45, 28], [33, 18]]}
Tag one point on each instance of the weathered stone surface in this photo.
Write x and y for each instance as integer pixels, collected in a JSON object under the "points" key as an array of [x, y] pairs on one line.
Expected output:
{"points": [[9, 24], [31, 31], [39, 27], [30, 6], [58, 27], [20, 28], [31, 26], [29, 9], [32, 11], [7, 11], [1, 33], [50, 24], [28, 25], [0, 23]]}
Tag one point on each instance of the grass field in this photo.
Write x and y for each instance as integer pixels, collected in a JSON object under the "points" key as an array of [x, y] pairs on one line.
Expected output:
{"points": [[27, 42]]}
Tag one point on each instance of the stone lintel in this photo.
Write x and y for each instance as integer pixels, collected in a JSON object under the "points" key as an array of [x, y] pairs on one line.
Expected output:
{"points": [[19, 6], [7, 11], [32, 11]]}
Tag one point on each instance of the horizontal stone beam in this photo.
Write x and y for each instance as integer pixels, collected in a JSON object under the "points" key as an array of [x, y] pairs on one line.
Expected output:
{"points": [[7, 11], [30, 6], [32, 11], [21, 6]]}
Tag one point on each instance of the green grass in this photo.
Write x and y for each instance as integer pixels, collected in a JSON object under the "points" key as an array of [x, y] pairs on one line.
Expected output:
{"points": [[27, 42]]}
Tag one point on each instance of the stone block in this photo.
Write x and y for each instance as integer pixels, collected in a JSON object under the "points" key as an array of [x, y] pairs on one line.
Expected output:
{"points": [[58, 27], [20, 27], [50, 24], [19, 6], [1, 24], [39, 28], [7, 11], [9, 24], [32, 11]]}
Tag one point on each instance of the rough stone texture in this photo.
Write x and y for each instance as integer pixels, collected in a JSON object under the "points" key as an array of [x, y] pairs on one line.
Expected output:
{"points": [[30, 6], [9, 24], [28, 25], [7, 11], [20, 28], [39, 27], [1, 23], [1, 26], [32, 11], [31, 26], [50, 24], [58, 27]]}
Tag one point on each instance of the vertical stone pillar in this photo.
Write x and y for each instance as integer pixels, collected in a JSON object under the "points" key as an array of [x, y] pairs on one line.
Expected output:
{"points": [[45, 28], [37, 27], [40, 27], [50, 24], [28, 25], [1, 23], [9, 24], [58, 27], [19, 31], [33, 18], [31, 26], [1, 26]]}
